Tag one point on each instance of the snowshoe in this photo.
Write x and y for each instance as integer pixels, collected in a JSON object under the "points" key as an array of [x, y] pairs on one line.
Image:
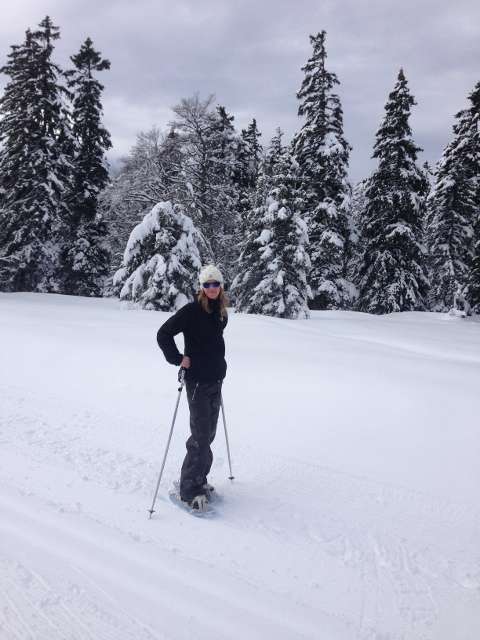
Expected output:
{"points": [[199, 506]]}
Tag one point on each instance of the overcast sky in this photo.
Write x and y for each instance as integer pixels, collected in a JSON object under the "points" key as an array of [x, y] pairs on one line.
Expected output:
{"points": [[249, 53]]}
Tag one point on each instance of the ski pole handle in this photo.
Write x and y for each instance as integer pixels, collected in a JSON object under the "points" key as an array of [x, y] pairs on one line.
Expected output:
{"points": [[181, 377]]}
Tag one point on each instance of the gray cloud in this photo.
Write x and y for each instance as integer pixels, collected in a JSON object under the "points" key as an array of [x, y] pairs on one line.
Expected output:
{"points": [[250, 55]]}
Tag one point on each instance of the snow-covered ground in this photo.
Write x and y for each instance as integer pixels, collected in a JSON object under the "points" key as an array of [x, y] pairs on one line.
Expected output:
{"points": [[354, 513]]}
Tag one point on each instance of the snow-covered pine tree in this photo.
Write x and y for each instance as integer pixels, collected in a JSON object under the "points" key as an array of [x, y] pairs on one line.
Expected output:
{"points": [[224, 218], [161, 260], [249, 159], [454, 205], [282, 261], [248, 165], [273, 154], [247, 274], [393, 274], [18, 129], [35, 164], [322, 153], [473, 287], [354, 254], [85, 258], [429, 177]]}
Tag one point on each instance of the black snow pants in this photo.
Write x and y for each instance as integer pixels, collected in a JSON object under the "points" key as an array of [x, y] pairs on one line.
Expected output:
{"points": [[204, 403]]}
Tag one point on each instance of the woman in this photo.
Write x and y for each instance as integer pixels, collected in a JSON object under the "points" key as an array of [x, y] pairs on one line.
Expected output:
{"points": [[202, 323]]}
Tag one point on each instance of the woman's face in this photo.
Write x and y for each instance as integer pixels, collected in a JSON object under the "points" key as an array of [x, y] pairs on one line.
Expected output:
{"points": [[212, 292]]}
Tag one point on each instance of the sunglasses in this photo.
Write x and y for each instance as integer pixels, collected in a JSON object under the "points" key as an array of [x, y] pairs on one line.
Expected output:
{"points": [[207, 285]]}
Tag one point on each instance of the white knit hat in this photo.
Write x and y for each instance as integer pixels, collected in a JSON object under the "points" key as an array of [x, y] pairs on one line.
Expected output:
{"points": [[210, 272]]}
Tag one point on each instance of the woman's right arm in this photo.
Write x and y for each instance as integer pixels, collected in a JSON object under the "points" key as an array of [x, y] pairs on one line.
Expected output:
{"points": [[165, 336]]}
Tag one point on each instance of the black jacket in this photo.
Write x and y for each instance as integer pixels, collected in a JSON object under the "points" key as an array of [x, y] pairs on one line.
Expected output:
{"points": [[204, 344]]}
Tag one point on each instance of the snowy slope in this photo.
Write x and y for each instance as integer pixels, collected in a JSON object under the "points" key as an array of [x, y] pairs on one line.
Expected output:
{"points": [[354, 513]]}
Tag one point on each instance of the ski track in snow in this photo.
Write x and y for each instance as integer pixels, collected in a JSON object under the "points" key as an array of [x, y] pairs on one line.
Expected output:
{"points": [[351, 531], [327, 554]]}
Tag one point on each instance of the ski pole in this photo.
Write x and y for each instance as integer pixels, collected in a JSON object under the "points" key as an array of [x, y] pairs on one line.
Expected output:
{"points": [[181, 379], [231, 476]]}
